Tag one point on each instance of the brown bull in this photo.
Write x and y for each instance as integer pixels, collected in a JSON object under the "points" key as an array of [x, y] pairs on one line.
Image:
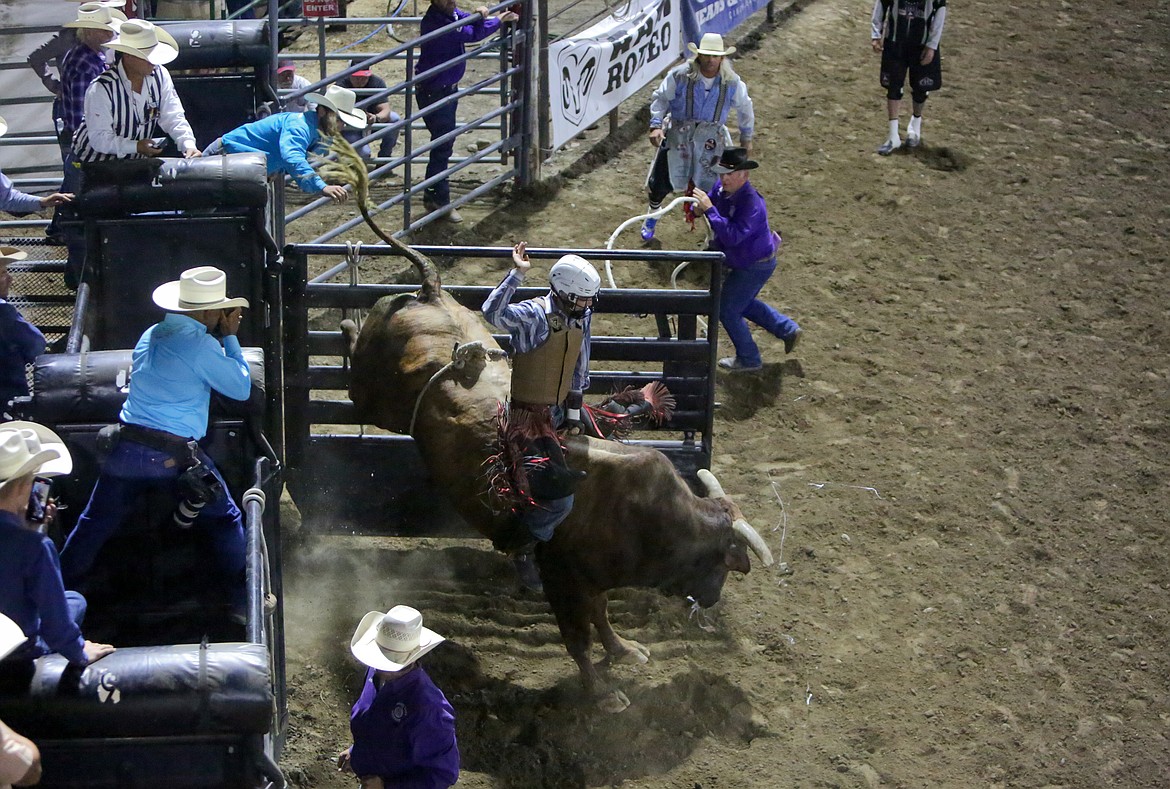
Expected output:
{"points": [[635, 521]]}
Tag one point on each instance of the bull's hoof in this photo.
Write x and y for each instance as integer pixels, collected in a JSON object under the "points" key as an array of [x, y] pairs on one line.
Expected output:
{"points": [[613, 702], [629, 652]]}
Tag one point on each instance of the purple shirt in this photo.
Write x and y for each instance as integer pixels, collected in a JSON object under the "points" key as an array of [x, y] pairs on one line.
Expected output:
{"points": [[449, 46], [739, 222], [32, 594], [79, 67], [404, 733]]}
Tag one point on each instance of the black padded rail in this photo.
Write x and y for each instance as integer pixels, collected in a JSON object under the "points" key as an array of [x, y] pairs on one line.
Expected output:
{"points": [[184, 689], [92, 386], [220, 44], [129, 186]]}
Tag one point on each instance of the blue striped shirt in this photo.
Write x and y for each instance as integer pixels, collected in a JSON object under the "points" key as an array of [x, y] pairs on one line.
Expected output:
{"points": [[15, 201], [175, 366], [527, 323]]}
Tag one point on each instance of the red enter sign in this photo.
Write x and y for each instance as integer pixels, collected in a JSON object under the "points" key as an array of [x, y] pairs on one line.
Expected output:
{"points": [[320, 8]]}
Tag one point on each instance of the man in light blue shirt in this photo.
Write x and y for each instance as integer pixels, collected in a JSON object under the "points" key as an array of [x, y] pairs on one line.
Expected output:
{"points": [[287, 137], [175, 366]]}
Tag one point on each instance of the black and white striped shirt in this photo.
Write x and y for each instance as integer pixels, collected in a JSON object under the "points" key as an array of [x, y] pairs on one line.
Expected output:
{"points": [[116, 117]]}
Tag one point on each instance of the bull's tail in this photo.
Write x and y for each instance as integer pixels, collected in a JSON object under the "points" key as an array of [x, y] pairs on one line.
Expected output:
{"points": [[350, 170]]}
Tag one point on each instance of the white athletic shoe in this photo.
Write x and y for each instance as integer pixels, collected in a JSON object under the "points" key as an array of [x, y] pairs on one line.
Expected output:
{"points": [[913, 140], [888, 147]]}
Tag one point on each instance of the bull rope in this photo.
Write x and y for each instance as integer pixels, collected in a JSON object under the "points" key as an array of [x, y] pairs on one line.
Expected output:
{"points": [[460, 356], [651, 215]]}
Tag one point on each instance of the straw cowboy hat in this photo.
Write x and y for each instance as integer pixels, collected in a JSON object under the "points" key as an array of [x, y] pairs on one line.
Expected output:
{"points": [[341, 101], [11, 636], [145, 40], [97, 16], [201, 288], [711, 44], [26, 448], [393, 640], [11, 254]]}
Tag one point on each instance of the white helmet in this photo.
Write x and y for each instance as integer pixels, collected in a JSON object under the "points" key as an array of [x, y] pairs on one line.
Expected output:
{"points": [[574, 277]]}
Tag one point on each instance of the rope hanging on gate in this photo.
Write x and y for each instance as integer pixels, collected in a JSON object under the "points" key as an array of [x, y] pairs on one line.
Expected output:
{"points": [[460, 356], [353, 262]]}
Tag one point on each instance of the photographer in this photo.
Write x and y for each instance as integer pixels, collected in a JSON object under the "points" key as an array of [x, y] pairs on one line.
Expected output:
{"points": [[31, 591], [175, 366]]}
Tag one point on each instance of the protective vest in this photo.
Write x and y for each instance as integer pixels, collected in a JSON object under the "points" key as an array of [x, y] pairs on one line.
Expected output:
{"points": [[698, 131], [908, 16], [544, 375], [127, 122]]}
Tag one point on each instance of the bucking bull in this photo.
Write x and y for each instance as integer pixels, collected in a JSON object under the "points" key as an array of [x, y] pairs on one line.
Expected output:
{"points": [[635, 521]]}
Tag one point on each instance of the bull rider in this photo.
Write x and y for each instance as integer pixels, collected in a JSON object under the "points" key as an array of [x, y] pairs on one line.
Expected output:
{"points": [[550, 373]]}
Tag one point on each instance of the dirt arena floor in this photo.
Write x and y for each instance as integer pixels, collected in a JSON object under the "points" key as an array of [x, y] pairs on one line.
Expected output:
{"points": [[963, 468]]}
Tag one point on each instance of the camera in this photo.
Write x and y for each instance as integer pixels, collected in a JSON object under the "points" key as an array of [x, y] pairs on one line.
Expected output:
{"points": [[198, 486], [38, 500]]}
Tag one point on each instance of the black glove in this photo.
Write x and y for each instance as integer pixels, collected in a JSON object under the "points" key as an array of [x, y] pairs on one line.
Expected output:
{"points": [[573, 408]]}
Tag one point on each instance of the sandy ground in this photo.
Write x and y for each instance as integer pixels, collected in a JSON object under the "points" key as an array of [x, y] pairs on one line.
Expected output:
{"points": [[964, 465]]}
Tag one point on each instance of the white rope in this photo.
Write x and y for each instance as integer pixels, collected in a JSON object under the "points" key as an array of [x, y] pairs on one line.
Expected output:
{"points": [[353, 262], [460, 356], [652, 215]]}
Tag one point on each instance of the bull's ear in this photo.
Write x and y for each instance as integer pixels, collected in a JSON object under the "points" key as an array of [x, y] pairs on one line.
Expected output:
{"points": [[735, 555]]}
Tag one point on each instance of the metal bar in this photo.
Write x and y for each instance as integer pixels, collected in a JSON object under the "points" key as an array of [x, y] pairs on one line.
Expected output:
{"points": [[544, 120]]}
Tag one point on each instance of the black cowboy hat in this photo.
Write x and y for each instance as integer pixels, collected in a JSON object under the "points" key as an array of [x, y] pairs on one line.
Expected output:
{"points": [[734, 159]]}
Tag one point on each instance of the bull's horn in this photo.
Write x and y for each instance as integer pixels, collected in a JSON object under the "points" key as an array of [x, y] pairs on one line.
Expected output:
{"points": [[714, 489], [758, 546]]}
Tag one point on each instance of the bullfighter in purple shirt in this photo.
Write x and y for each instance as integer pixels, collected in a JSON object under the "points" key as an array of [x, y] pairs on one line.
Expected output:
{"points": [[739, 223], [434, 88], [403, 726]]}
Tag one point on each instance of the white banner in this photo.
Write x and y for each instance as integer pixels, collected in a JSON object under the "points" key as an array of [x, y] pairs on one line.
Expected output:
{"points": [[595, 70]]}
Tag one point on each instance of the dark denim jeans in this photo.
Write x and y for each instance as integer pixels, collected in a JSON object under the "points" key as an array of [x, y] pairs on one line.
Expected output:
{"points": [[385, 145], [131, 470], [439, 122], [738, 302]]}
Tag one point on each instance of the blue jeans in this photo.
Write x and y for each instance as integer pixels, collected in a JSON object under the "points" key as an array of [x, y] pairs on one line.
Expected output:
{"points": [[385, 145], [74, 237], [738, 302], [439, 122], [131, 470]]}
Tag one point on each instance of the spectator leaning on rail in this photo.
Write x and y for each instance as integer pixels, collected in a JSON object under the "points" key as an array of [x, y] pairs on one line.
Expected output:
{"points": [[174, 367], [43, 58], [739, 225], [20, 759], [20, 342], [907, 34], [287, 137], [376, 112], [403, 726], [15, 201], [31, 590], [550, 351], [438, 86], [697, 97]]}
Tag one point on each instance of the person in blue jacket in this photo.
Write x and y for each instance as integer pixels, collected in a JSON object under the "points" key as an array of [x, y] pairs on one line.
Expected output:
{"points": [[31, 590], [738, 217], [174, 367], [403, 727], [20, 342], [287, 137]]}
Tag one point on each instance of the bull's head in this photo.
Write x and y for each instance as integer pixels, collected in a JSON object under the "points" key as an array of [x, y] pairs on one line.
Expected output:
{"points": [[703, 572]]}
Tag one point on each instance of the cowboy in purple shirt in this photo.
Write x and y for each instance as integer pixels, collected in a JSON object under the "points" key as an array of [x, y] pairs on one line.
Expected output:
{"points": [[403, 726], [739, 225], [433, 88]]}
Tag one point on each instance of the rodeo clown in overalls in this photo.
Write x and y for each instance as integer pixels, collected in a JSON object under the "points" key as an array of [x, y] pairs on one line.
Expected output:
{"points": [[550, 367], [697, 97]]}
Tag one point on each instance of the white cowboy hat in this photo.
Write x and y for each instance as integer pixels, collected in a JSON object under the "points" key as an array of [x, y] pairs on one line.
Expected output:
{"points": [[11, 254], [97, 16], [341, 101], [110, 3], [3, 127], [201, 288], [393, 640], [711, 44], [11, 636], [26, 447], [145, 40]]}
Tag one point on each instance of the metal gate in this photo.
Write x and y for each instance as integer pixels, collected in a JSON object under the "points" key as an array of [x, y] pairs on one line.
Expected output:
{"points": [[349, 478]]}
